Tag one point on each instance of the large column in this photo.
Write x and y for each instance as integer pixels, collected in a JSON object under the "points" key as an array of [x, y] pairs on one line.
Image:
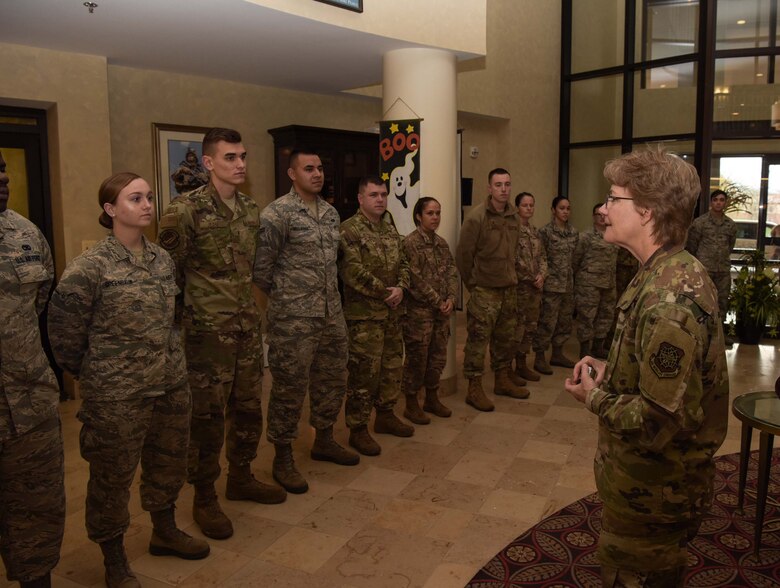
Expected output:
{"points": [[423, 83]]}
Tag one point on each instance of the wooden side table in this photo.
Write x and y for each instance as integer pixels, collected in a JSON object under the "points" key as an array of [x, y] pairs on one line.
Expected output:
{"points": [[757, 410]]}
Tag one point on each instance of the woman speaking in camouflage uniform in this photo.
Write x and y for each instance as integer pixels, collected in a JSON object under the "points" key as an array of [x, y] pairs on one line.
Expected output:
{"points": [[429, 305], [531, 273], [111, 324], [559, 239]]}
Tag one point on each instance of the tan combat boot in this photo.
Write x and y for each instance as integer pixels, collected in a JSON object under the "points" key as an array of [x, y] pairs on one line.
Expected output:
{"points": [[541, 365], [168, 539], [506, 387], [559, 359], [325, 448], [476, 396], [285, 472], [523, 370], [361, 439], [387, 423], [413, 412], [207, 513], [242, 485], [433, 404], [516, 378], [118, 572]]}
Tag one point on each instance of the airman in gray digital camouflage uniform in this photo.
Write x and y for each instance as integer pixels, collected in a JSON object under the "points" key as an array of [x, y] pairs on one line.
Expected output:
{"points": [[211, 234], [662, 397], [375, 273], [295, 266], [594, 287], [32, 493]]}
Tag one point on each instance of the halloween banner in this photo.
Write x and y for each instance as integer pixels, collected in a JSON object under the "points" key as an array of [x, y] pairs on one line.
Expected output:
{"points": [[399, 166]]}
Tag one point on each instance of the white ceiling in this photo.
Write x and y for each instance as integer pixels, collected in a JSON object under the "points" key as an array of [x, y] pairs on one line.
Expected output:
{"points": [[225, 39]]}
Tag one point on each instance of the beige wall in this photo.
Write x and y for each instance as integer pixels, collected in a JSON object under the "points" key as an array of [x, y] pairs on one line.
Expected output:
{"points": [[73, 89]]}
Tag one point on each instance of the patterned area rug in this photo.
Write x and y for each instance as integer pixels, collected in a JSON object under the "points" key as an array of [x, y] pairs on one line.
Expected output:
{"points": [[560, 551]]}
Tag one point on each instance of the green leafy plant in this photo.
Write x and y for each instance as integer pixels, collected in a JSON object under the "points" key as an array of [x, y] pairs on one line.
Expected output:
{"points": [[740, 197], [755, 294]]}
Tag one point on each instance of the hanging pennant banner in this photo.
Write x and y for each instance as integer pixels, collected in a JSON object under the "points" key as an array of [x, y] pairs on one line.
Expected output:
{"points": [[399, 166]]}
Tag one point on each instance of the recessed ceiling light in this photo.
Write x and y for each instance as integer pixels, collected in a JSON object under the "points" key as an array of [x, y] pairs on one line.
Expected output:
{"points": [[734, 114], [741, 21]]}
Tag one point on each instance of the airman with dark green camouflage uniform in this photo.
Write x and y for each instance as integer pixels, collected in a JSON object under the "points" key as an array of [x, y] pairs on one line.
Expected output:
{"points": [[662, 397], [211, 233], [32, 494], [295, 266], [375, 273], [594, 287]]}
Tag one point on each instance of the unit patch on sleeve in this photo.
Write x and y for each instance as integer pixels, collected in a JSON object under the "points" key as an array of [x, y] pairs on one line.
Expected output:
{"points": [[665, 362], [169, 239]]}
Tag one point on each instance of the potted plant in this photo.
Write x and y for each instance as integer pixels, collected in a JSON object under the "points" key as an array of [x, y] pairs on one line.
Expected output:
{"points": [[755, 298]]}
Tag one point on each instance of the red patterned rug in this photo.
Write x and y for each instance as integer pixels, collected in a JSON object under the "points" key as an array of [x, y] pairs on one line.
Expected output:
{"points": [[560, 551]]}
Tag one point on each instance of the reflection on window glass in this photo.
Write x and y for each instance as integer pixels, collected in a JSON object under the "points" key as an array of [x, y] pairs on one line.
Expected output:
{"points": [[743, 174], [667, 108], [742, 95], [587, 185], [596, 109], [740, 71], [680, 75], [666, 29], [597, 34], [742, 24]]}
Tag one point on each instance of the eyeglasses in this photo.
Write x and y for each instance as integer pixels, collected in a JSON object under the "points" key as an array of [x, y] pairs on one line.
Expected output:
{"points": [[611, 198]]}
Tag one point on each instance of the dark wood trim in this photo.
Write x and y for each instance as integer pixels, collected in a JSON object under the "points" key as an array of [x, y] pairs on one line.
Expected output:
{"points": [[705, 85], [564, 127]]}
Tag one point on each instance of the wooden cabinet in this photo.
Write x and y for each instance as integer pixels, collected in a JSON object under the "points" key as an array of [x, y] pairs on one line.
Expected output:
{"points": [[346, 157]]}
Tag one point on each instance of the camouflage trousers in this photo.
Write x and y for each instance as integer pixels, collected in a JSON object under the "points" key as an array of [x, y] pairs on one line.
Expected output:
{"points": [[32, 501], [529, 303], [376, 352], [722, 281], [226, 376], [305, 354], [426, 334], [555, 320], [595, 311], [642, 554], [114, 437], [491, 319]]}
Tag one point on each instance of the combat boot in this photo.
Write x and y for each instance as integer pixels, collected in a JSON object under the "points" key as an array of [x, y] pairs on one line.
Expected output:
{"points": [[504, 386], [476, 396], [361, 439], [413, 412], [118, 572], [541, 365], [242, 485], [559, 359], [523, 370], [325, 448], [387, 423], [599, 351], [42, 582], [433, 404], [285, 472], [516, 378], [167, 539], [207, 513], [585, 348]]}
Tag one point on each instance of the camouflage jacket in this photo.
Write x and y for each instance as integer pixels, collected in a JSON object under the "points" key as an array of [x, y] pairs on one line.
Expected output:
{"points": [[663, 404], [111, 323], [559, 245], [712, 240], [434, 279], [626, 266], [214, 252], [28, 389], [487, 246], [371, 260], [531, 257], [594, 261], [297, 254]]}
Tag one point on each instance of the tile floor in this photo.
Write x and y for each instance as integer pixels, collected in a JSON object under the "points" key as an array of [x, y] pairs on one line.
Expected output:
{"points": [[428, 512]]}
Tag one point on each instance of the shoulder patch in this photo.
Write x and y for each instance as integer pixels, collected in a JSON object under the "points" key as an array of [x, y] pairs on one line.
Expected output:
{"points": [[169, 239], [169, 220], [665, 361]]}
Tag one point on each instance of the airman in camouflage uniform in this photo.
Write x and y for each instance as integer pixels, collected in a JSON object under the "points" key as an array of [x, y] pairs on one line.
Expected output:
{"points": [[711, 239], [560, 240], [375, 273], [485, 257], [626, 266], [426, 324], [32, 493], [532, 271], [662, 397], [295, 266], [594, 287], [211, 233]]}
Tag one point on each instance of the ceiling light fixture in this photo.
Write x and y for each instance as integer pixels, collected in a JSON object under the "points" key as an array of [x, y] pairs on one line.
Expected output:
{"points": [[741, 21], [91, 6]]}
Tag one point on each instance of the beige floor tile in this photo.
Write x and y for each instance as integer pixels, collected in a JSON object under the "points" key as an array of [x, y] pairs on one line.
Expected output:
{"points": [[297, 506], [346, 512], [420, 458], [446, 493], [500, 420], [573, 414], [170, 570], [578, 476], [303, 549], [252, 535], [492, 440], [450, 525], [219, 567], [556, 453], [482, 539], [530, 476], [507, 504], [266, 574], [381, 481], [450, 575], [408, 516], [436, 435], [480, 468]]}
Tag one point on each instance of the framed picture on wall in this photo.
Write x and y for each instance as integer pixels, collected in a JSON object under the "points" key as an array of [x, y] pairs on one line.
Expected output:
{"points": [[177, 161]]}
